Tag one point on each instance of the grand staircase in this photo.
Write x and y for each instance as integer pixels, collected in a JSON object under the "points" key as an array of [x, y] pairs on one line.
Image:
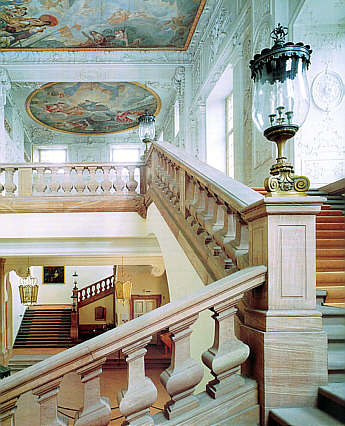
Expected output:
{"points": [[44, 327]]}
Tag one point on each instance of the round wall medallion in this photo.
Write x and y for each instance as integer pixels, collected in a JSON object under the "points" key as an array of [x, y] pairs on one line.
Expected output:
{"points": [[327, 90], [91, 108]]}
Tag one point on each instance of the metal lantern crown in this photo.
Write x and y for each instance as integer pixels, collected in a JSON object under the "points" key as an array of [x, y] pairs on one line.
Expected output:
{"points": [[146, 127], [28, 289], [281, 102]]}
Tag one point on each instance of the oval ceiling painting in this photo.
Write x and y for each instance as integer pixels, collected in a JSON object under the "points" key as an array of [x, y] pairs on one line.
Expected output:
{"points": [[91, 108]]}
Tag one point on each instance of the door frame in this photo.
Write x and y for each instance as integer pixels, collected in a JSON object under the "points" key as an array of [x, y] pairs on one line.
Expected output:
{"points": [[134, 297]]}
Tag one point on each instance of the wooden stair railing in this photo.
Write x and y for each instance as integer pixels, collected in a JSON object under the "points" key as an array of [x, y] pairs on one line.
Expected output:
{"points": [[180, 379], [87, 295], [96, 291]]}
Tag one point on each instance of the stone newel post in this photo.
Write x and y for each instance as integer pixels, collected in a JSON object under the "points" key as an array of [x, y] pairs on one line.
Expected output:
{"points": [[282, 327]]}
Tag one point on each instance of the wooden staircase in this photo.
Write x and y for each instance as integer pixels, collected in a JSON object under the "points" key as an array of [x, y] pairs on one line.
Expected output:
{"points": [[45, 328], [330, 255]]}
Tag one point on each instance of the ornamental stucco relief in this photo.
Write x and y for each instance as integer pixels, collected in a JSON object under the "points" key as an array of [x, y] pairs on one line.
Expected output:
{"points": [[327, 90]]}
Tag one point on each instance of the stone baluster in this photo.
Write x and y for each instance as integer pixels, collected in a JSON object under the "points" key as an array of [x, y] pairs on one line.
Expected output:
{"points": [[54, 186], [40, 186], [225, 357], [190, 196], [1, 185], [47, 398], [208, 213], [92, 185], [119, 183], [132, 184], [216, 223], [141, 393], [106, 184], [96, 410], [7, 412], [67, 185], [80, 185], [184, 374], [10, 186], [24, 182], [238, 248], [181, 190]]}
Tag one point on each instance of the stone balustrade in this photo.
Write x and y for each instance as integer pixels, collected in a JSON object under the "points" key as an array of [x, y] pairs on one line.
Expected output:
{"points": [[77, 179], [205, 206], [180, 379]]}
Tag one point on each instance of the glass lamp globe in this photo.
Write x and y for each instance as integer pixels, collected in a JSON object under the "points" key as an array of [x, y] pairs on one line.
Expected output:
{"points": [[281, 101], [146, 127], [281, 92]]}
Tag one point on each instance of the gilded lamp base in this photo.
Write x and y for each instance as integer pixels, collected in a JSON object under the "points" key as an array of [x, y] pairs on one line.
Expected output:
{"points": [[283, 182]]}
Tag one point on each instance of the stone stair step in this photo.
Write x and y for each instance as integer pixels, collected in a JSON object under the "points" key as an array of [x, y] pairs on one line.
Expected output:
{"points": [[335, 331], [306, 416], [331, 399], [336, 359]]}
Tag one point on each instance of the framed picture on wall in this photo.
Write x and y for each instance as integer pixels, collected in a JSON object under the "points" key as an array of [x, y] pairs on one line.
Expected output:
{"points": [[53, 275]]}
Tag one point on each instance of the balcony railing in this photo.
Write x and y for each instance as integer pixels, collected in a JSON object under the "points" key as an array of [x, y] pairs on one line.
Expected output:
{"points": [[77, 179]]}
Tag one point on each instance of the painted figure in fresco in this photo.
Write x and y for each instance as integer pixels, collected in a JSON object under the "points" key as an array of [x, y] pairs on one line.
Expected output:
{"points": [[15, 26], [95, 39], [128, 116], [63, 108]]}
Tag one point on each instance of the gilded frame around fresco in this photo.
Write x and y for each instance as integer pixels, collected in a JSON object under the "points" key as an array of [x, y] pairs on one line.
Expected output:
{"points": [[117, 49], [47, 275], [28, 101]]}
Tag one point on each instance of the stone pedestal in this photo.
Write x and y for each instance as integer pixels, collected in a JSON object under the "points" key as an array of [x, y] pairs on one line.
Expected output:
{"points": [[288, 349]]}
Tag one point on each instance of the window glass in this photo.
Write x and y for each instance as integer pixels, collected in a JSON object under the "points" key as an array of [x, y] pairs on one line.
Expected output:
{"points": [[52, 155], [229, 111], [126, 155]]}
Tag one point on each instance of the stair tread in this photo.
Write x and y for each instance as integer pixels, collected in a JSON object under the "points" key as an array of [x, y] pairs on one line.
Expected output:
{"points": [[305, 416], [334, 391]]}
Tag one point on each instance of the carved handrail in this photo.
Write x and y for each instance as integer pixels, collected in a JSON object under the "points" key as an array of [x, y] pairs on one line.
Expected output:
{"points": [[235, 193], [132, 337], [95, 291], [49, 179], [203, 206]]}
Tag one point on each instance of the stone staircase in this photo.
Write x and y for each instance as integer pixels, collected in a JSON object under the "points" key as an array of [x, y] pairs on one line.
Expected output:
{"points": [[44, 327], [333, 320], [330, 410]]}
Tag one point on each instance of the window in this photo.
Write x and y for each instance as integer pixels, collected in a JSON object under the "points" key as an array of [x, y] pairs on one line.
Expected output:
{"points": [[50, 154], [125, 155], [176, 118], [229, 111]]}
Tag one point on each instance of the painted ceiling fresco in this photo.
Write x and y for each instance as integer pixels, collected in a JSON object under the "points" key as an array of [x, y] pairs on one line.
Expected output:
{"points": [[98, 24], [91, 108]]}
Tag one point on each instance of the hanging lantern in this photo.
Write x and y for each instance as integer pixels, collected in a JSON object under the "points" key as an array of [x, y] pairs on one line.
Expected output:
{"points": [[281, 102], [123, 286], [146, 129], [74, 296], [28, 289]]}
